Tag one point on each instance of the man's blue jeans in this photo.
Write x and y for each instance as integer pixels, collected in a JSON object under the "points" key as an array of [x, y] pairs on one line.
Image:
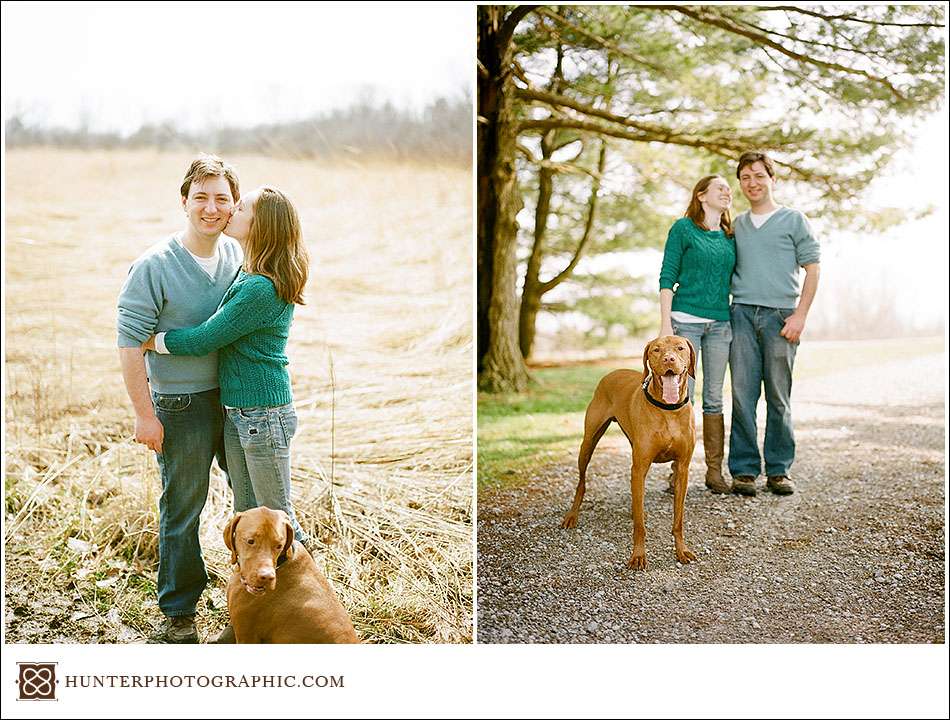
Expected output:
{"points": [[193, 426], [711, 341], [761, 357], [257, 442]]}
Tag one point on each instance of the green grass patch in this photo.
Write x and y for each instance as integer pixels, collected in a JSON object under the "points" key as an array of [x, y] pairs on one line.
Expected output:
{"points": [[519, 431]]}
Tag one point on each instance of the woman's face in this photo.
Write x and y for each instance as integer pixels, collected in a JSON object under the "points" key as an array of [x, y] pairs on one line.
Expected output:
{"points": [[717, 196], [240, 223]]}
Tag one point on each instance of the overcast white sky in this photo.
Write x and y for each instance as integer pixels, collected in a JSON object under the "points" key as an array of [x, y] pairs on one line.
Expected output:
{"points": [[122, 64]]}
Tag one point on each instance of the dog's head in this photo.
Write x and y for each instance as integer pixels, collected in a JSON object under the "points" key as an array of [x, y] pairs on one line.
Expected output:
{"points": [[257, 539], [669, 360]]}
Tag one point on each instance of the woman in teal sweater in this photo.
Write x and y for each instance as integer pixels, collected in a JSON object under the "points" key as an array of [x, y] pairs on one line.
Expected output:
{"points": [[250, 330], [698, 261]]}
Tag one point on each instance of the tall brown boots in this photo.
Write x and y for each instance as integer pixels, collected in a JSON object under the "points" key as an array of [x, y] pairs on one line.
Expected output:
{"points": [[714, 437], [714, 434]]}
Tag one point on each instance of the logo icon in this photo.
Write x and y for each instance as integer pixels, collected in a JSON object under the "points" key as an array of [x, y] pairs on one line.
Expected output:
{"points": [[37, 681]]}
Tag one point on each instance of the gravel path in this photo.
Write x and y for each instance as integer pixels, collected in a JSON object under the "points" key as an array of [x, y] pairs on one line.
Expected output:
{"points": [[855, 556]]}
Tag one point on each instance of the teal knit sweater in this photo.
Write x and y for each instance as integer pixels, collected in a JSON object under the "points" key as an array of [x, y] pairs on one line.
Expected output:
{"points": [[701, 263], [249, 330]]}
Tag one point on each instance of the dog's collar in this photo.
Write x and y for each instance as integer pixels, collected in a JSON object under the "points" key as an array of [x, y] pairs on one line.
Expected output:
{"points": [[657, 403]]}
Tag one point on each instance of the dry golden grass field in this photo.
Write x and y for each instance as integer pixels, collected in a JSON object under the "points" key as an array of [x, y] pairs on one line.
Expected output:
{"points": [[381, 361]]}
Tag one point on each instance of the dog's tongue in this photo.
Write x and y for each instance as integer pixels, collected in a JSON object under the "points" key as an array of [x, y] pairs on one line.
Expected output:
{"points": [[671, 388]]}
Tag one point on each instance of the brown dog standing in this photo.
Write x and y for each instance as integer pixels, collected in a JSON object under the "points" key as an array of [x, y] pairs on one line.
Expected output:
{"points": [[657, 418], [276, 593]]}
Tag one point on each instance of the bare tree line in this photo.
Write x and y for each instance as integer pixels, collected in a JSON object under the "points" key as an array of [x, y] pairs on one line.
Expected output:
{"points": [[442, 132]]}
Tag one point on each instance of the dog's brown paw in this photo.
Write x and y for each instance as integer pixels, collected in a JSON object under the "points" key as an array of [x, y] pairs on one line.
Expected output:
{"points": [[569, 521], [638, 561], [685, 555]]}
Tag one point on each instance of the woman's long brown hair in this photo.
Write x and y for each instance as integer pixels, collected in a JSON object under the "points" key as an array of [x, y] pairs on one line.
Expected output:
{"points": [[275, 247], [695, 210]]}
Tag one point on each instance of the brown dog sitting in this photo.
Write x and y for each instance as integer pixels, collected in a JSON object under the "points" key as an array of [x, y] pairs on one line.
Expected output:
{"points": [[656, 416], [276, 593]]}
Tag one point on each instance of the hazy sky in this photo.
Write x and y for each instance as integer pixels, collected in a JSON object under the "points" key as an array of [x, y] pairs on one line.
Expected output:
{"points": [[119, 64]]}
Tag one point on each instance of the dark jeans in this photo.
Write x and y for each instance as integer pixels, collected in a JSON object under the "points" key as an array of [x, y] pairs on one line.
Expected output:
{"points": [[193, 426], [760, 357]]}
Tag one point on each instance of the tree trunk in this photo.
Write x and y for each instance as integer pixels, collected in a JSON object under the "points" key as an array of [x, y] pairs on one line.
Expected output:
{"points": [[531, 292], [501, 367], [534, 288]]}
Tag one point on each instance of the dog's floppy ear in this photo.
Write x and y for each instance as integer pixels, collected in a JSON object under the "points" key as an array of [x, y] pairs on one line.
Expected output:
{"points": [[289, 542], [229, 530], [692, 359], [646, 363]]}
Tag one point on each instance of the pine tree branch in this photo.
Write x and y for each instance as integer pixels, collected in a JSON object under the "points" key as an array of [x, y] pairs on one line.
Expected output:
{"points": [[519, 72], [659, 133], [570, 168], [730, 26], [622, 133], [555, 100], [729, 149], [588, 226], [507, 30], [524, 150], [848, 17], [802, 78], [814, 43], [603, 42]]}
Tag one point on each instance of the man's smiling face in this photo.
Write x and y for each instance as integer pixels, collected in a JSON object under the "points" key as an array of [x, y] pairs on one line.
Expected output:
{"points": [[756, 183], [209, 205]]}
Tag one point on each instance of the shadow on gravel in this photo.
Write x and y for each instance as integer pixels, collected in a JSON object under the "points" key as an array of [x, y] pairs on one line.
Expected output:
{"points": [[903, 427]]}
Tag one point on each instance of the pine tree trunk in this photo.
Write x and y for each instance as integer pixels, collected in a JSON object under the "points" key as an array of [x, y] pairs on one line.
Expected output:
{"points": [[501, 366], [533, 289], [531, 292]]}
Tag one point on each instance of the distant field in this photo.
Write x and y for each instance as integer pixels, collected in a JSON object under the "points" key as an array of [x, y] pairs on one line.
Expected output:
{"points": [[523, 431], [381, 365]]}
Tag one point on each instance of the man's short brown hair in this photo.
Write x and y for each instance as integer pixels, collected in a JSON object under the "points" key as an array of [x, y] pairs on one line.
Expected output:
{"points": [[205, 166], [754, 156]]}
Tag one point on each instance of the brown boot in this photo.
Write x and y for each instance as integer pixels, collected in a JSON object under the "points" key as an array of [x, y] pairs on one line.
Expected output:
{"points": [[744, 485], [713, 439], [780, 484], [176, 630]]}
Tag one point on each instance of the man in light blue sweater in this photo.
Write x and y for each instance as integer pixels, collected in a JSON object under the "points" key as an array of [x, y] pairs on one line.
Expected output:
{"points": [[179, 283], [768, 317]]}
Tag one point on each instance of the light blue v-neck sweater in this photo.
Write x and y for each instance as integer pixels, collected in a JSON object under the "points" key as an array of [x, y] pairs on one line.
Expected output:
{"points": [[167, 289], [768, 258]]}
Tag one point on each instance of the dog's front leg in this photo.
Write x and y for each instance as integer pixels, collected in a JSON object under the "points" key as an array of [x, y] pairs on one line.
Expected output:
{"points": [[638, 475], [680, 482]]}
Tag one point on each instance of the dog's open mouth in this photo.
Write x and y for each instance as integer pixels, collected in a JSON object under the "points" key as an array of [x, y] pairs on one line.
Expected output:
{"points": [[253, 589], [670, 382]]}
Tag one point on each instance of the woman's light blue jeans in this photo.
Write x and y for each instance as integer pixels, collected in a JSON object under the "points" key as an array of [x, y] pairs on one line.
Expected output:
{"points": [[711, 340], [257, 444]]}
